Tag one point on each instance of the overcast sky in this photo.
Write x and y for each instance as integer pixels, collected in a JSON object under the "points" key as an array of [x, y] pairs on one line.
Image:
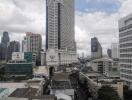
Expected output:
{"points": [[93, 18]]}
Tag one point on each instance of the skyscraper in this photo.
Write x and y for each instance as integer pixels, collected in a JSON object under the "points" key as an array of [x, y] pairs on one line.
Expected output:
{"points": [[13, 46], [33, 43], [125, 41], [109, 53], [3, 49], [115, 50], [60, 34], [5, 39], [3, 46], [96, 48]]}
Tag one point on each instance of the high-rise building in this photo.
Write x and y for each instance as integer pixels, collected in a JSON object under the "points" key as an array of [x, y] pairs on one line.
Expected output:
{"points": [[5, 39], [3, 46], [96, 48], [125, 42], [13, 46], [3, 49], [33, 43], [109, 53], [60, 36], [115, 50]]}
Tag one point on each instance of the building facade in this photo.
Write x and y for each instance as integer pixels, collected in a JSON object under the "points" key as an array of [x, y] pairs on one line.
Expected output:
{"points": [[3, 52], [115, 50], [28, 56], [60, 35], [125, 42], [33, 43], [3, 45], [13, 46], [96, 48], [19, 68], [109, 53], [5, 39]]}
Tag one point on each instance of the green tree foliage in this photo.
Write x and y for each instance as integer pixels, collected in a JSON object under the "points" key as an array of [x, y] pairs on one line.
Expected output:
{"points": [[127, 93], [107, 93]]}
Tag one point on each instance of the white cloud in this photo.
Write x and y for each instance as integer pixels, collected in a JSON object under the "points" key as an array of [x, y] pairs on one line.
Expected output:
{"points": [[20, 16], [100, 24]]}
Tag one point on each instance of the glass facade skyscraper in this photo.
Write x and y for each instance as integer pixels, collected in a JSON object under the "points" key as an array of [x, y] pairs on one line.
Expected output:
{"points": [[3, 45], [96, 48]]}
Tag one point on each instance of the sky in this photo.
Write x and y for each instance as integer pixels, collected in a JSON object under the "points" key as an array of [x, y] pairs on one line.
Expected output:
{"points": [[97, 18]]}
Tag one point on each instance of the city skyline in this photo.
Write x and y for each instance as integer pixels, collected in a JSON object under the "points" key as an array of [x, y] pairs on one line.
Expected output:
{"points": [[87, 24], [66, 49]]}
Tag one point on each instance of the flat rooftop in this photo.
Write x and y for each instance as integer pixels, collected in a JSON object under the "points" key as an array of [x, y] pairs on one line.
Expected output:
{"points": [[12, 85], [45, 97], [100, 78], [60, 76], [61, 85], [41, 70], [24, 92]]}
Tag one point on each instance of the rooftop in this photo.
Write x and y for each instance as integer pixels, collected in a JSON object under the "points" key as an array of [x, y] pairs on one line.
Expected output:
{"points": [[60, 76], [61, 85], [42, 70], [102, 59], [24, 92], [45, 97], [12, 85], [99, 78]]}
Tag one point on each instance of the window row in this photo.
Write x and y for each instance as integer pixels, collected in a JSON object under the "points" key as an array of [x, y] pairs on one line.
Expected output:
{"points": [[126, 50], [126, 39], [125, 45], [125, 55], [125, 28], [126, 60], [125, 66], [125, 33]]}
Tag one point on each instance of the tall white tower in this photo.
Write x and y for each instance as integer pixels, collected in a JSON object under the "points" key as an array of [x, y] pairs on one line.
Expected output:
{"points": [[125, 46], [60, 35]]}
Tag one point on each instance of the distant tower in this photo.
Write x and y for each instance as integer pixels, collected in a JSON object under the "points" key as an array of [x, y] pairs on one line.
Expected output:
{"points": [[3, 46], [3, 49], [96, 48], [109, 53], [5, 39], [13, 46], [115, 50], [32, 43]]}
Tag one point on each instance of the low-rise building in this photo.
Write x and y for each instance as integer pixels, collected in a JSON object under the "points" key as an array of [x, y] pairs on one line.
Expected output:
{"points": [[19, 68], [36, 83], [106, 66], [101, 65], [28, 56], [60, 85], [41, 71], [29, 94], [96, 81]]}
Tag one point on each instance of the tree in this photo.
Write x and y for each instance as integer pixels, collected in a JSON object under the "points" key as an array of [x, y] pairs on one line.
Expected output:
{"points": [[127, 93], [107, 93]]}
